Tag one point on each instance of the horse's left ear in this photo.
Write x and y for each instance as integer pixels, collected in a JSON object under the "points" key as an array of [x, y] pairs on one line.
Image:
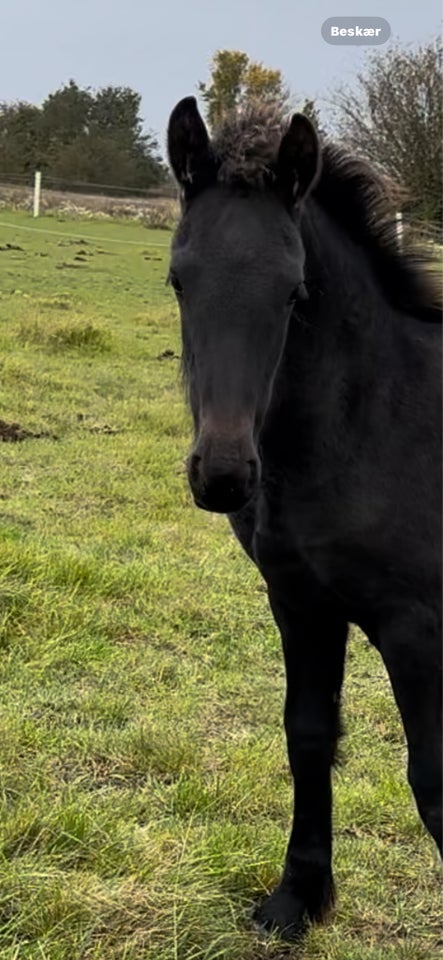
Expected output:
{"points": [[189, 147], [299, 160]]}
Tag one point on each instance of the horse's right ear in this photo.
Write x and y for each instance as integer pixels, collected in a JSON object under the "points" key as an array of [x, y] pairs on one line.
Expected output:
{"points": [[189, 148]]}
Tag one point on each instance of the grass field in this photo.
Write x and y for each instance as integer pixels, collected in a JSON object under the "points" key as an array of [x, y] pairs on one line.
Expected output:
{"points": [[144, 785]]}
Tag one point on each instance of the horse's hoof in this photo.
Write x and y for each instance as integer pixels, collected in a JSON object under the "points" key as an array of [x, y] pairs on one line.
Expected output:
{"points": [[281, 913]]}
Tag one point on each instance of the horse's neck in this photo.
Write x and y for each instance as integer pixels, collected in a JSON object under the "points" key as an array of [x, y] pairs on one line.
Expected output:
{"points": [[346, 293], [338, 345], [348, 311]]}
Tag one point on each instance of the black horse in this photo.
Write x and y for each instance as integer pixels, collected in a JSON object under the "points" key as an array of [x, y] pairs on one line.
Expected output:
{"points": [[311, 354]]}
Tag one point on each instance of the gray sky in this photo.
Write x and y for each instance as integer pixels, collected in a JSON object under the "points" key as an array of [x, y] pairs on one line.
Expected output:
{"points": [[162, 49]]}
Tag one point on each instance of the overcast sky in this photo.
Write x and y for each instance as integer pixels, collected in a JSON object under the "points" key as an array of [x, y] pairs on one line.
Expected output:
{"points": [[162, 48]]}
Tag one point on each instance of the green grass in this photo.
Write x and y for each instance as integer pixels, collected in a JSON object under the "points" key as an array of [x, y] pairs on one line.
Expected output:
{"points": [[143, 778]]}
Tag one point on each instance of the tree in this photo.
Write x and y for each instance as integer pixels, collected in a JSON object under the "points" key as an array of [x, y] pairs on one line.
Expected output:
{"points": [[235, 79], [394, 119], [65, 115], [310, 111], [95, 159], [116, 111], [20, 137], [80, 135], [264, 84]]}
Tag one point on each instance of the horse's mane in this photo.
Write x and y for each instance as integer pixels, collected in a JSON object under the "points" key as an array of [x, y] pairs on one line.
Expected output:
{"points": [[359, 198]]}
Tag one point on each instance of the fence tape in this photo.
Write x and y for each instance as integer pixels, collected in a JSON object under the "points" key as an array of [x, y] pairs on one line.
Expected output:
{"points": [[81, 236]]}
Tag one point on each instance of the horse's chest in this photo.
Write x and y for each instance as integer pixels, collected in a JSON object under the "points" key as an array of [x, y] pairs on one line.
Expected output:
{"points": [[286, 531], [325, 538]]}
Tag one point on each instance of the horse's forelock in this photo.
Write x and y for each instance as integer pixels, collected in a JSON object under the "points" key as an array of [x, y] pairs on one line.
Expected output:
{"points": [[246, 144]]}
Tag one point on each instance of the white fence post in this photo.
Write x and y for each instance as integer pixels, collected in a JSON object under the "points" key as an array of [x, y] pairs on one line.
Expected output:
{"points": [[37, 191], [399, 228]]}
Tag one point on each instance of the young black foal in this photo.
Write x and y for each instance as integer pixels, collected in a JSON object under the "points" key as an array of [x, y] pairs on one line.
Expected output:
{"points": [[311, 351]]}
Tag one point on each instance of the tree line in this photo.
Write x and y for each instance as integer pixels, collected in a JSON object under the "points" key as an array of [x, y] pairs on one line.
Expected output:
{"points": [[79, 135], [392, 115]]}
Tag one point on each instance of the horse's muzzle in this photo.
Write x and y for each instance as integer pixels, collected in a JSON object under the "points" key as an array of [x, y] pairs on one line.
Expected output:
{"points": [[223, 472]]}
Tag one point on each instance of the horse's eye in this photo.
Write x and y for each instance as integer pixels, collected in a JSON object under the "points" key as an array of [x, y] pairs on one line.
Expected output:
{"points": [[299, 293], [175, 282]]}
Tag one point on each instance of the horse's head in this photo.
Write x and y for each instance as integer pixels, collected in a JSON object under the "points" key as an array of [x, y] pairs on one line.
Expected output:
{"points": [[237, 268]]}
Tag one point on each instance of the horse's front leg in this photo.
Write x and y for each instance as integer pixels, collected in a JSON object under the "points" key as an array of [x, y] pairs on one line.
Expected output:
{"points": [[314, 642]]}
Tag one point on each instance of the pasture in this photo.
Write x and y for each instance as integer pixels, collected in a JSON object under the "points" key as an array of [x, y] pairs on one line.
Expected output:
{"points": [[145, 790]]}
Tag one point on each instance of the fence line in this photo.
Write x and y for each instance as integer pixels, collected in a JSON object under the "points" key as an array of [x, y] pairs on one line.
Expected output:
{"points": [[12, 177], [81, 236], [423, 230], [407, 229], [64, 185], [147, 243]]}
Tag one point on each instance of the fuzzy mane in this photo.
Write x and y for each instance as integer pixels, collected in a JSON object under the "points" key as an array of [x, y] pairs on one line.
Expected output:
{"points": [[246, 144], [359, 198]]}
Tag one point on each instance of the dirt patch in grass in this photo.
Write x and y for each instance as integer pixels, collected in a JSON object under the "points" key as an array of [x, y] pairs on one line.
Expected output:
{"points": [[14, 433], [67, 266], [104, 429], [168, 355]]}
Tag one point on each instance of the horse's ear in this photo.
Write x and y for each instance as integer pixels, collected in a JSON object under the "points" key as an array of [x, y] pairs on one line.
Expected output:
{"points": [[298, 161], [189, 148]]}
